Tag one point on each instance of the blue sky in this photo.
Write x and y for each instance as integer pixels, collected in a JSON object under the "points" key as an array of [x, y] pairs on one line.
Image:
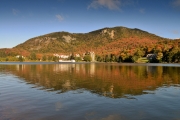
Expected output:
{"points": [[21, 20]]}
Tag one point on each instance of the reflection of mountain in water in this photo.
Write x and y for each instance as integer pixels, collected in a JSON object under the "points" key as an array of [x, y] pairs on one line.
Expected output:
{"points": [[111, 80]]}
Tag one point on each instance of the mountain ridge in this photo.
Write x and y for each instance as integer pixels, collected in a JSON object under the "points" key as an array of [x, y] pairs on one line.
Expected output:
{"points": [[64, 41]]}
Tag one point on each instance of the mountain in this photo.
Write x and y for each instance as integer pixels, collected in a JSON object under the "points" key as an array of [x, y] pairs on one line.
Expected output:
{"points": [[109, 44], [106, 40]]}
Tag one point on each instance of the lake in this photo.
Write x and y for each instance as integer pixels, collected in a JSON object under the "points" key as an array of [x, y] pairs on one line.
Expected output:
{"points": [[89, 91]]}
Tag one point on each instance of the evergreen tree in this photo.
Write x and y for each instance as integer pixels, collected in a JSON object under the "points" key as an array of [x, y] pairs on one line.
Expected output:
{"points": [[107, 58], [33, 56], [72, 57], [55, 59], [87, 58], [44, 58], [20, 58]]}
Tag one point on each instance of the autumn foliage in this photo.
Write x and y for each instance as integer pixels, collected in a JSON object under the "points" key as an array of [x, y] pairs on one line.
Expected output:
{"points": [[118, 44]]}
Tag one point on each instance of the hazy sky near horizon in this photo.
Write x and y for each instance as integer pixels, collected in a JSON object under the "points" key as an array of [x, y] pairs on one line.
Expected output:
{"points": [[21, 20]]}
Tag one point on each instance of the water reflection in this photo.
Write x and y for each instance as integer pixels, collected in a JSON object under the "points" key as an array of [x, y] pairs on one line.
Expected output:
{"points": [[110, 80]]}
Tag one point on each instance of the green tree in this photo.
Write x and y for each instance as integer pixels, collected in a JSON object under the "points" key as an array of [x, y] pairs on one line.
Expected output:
{"points": [[99, 58], [159, 56], [78, 59], [139, 53], [113, 58], [120, 59], [87, 58], [20, 58], [44, 58], [2, 54], [33, 56], [72, 57], [55, 58], [135, 58], [177, 57], [50, 58], [107, 58]]}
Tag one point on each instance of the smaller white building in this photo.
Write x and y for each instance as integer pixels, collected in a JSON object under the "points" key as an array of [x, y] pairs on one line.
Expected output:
{"points": [[19, 56], [61, 56]]}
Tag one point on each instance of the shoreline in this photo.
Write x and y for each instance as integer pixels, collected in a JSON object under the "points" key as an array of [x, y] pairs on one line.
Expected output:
{"points": [[115, 63]]}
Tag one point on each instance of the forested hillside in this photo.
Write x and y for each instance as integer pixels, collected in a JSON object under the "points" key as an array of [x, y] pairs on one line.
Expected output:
{"points": [[118, 44]]}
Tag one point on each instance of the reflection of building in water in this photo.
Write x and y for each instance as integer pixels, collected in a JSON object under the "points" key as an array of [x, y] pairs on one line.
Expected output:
{"points": [[63, 67], [20, 67], [151, 69], [82, 68], [92, 69], [77, 68]]}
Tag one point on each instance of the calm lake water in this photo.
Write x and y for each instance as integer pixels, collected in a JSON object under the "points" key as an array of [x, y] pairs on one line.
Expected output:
{"points": [[89, 91]]}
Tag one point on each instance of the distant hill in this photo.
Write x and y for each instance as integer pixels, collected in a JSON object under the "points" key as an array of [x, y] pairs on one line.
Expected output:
{"points": [[107, 40]]}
